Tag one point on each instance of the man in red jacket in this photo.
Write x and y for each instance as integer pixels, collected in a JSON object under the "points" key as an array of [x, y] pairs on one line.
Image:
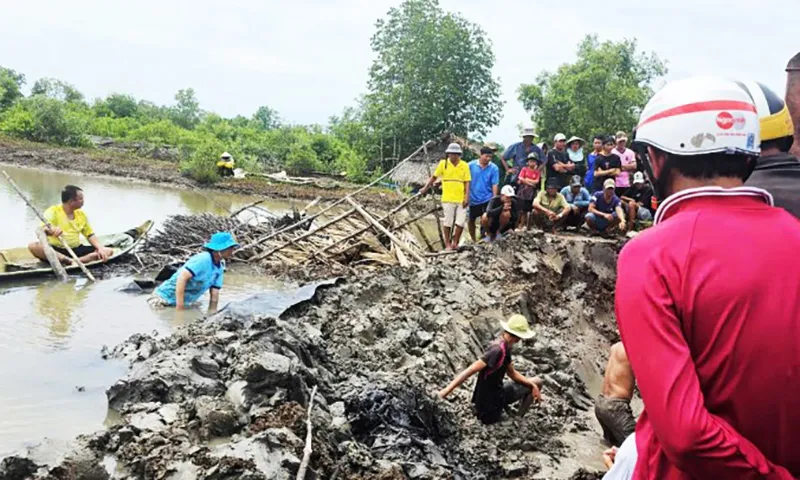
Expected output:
{"points": [[707, 300]]}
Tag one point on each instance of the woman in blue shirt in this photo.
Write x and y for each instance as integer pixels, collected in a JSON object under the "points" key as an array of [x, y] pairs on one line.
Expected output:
{"points": [[203, 272]]}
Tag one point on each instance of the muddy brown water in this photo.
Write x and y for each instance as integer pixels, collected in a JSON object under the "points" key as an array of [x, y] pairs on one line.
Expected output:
{"points": [[52, 374]]}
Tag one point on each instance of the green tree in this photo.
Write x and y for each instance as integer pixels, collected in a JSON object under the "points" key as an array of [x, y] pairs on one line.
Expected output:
{"points": [[186, 112], [117, 105], [43, 119], [57, 89], [433, 73], [604, 90], [267, 118], [10, 84]]}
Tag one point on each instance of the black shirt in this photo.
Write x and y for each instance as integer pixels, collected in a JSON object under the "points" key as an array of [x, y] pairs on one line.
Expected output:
{"points": [[779, 174], [495, 208], [554, 156], [642, 195], [488, 394], [603, 162]]}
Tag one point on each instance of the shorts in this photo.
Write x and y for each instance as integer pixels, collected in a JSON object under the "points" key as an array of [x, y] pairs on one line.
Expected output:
{"points": [[512, 393], [476, 211], [644, 215], [494, 223], [616, 418], [600, 223], [454, 213], [155, 301], [80, 250], [576, 219]]}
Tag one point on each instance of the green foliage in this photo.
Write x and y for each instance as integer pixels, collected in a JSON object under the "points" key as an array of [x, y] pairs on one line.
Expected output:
{"points": [[42, 119], [301, 159], [267, 118], [117, 105], [186, 112], [603, 91], [10, 84], [433, 73], [56, 89], [201, 163]]}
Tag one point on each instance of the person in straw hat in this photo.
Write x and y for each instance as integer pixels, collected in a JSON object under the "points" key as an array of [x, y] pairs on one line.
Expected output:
{"points": [[491, 395], [515, 157]]}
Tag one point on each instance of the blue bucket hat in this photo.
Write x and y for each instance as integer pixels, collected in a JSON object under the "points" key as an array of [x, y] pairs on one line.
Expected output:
{"points": [[221, 241]]}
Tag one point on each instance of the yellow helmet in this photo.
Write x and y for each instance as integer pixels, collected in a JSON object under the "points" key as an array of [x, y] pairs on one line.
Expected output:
{"points": [[773, 115]]}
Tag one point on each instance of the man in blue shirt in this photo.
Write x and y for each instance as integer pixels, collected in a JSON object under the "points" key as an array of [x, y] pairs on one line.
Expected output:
{"points": [[605, 209], [518, 153], [578, 199], [201, 273], [485, 180]]}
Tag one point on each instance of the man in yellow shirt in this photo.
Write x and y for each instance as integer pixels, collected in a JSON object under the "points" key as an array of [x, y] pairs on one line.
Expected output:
{"points": [[69, 221], [456, 178]]}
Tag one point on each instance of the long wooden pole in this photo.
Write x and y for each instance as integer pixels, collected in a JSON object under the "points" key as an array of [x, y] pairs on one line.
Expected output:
{"points": [[307, 450], [44, 220], [338, 202], [305, 235], [51, 256], [400, 244], [362, 230]]}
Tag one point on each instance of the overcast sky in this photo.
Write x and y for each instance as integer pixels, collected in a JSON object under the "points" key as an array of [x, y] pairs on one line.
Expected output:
{"points": [[309, 58]]}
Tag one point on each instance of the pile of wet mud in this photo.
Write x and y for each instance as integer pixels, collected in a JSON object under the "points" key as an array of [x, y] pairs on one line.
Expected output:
{"points": [[227, 396]]}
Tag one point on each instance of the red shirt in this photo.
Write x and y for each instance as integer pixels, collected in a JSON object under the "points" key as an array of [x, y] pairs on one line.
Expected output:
{"points": [[532, 174], [708, 306]]}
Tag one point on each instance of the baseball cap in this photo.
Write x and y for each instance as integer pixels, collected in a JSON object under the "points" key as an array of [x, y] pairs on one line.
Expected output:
{"points": [[575, 182], [559, 136], [508, 191], [609, 183], [638, 177]]}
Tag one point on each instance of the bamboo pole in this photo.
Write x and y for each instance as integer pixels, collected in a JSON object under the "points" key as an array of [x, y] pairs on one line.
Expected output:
{"points": [[417, 218], [364, 229], [338, 202], [307, 451], [52, 258], [266, 254], [47, 224], [386, 232]]}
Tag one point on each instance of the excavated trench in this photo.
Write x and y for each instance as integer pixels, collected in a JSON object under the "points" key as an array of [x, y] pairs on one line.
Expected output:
{"points": [[226, 397]]}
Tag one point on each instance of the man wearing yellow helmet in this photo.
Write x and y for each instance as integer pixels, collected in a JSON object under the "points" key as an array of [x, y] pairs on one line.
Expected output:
{"points": [[777, 171]]}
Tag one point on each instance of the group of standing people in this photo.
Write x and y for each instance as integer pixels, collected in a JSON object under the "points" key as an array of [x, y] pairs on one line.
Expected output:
{"points": [[524, 187]]}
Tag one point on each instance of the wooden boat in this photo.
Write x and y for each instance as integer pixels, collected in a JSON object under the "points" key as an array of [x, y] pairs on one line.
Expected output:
{"points": [[18, 262]]}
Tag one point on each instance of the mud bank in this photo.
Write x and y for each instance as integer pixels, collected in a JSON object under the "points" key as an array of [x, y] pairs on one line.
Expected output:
{"points": [[227, 396], [165, 173]]}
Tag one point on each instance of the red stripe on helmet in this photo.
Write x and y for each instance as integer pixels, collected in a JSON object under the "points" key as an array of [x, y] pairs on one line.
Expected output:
{"points": [[701, 107]]}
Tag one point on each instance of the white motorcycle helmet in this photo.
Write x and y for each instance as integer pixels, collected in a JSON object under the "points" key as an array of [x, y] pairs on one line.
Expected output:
{"points": [[698, 116]]}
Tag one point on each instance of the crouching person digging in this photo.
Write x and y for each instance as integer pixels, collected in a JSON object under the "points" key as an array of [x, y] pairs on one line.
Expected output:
{"points": [[491, 395]]}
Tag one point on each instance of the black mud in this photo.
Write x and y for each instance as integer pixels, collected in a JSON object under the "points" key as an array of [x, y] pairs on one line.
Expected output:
{"points": [[226, 397]]}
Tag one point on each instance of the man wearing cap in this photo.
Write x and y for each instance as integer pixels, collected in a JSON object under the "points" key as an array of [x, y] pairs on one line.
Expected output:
{"points": [[203, 272], [559, 164], [627, 161], [638, 200], [550, 209], [483, 186], [605, 210], [456, 179], [578, 199], [502, 213], [491, 395], [607, 165], [517, 154]]}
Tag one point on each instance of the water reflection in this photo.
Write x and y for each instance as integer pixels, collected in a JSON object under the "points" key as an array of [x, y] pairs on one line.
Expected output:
{"points": [[58, 303]]}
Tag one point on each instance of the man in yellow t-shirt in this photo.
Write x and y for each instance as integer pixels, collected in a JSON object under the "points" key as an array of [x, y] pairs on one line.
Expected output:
{"points": [[456, 178], [69, 221]]}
